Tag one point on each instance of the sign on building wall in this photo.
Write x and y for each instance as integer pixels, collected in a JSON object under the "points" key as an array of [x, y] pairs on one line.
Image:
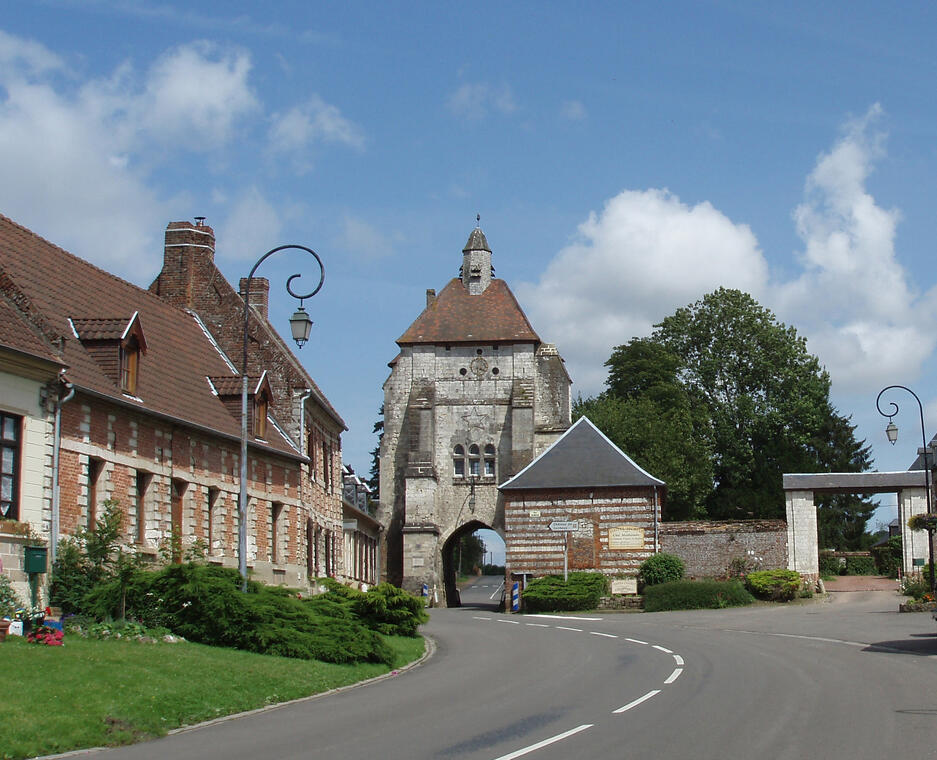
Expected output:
{"points": [[626, 538], [624, 586]]}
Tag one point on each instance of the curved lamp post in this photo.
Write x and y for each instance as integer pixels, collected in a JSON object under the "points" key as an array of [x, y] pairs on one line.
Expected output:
{"points": [[300, 325], [891, 430]]}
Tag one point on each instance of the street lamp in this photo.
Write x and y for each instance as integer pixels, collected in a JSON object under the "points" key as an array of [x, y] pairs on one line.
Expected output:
{"points": [[300, 325], [891, 430]]}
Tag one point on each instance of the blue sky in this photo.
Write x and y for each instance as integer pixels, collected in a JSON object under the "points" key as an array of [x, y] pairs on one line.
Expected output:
{"points": [[626, 158]]}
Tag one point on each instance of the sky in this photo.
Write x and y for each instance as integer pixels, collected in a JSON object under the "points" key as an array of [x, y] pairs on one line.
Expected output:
{"points": [[626, 159]]}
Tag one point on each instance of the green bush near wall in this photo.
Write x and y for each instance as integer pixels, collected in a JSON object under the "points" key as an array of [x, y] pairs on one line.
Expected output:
{"points": [[774, 585], [661, 568], [550, 594], [695, 595]]}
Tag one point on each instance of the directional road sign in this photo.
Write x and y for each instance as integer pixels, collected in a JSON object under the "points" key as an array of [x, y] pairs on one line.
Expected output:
{"points": [[564, 525]]}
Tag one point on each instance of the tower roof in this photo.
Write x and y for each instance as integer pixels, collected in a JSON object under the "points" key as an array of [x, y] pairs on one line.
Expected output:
{"points": [[477, 242], [581, 458], [456, 316]]}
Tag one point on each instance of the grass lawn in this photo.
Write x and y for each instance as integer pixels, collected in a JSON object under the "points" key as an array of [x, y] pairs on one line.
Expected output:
{"points": [[91, 693]]}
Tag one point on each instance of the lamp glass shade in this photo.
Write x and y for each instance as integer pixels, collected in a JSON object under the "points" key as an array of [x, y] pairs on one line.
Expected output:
{"points": [[300, 326], [891, 430]]}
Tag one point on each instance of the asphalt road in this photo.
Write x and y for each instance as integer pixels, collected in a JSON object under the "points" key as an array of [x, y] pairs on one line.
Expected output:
{"points": [[844, 678]]}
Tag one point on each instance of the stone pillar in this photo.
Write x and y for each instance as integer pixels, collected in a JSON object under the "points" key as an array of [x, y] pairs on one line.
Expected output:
{"points": [[421, 560], [802, 542], [912, 501]]}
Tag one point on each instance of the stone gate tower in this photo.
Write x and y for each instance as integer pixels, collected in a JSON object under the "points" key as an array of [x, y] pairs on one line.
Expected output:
{"points": [[473, 396]]}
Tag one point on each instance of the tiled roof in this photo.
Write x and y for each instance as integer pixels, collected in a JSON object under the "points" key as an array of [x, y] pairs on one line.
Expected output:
{"points": [[18, 333], [100, 329], [581, 458], [230, 386], [171, 379], [458, 317]]}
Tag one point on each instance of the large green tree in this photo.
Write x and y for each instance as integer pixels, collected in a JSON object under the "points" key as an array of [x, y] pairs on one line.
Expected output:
{"points": [[720, 401]]}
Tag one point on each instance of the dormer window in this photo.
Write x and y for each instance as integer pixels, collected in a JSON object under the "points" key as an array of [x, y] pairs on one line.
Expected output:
{"points": [[261, 403], [117, 345], [129, 365]]}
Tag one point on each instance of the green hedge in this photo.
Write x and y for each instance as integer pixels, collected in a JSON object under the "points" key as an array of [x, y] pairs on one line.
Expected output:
{"points": [[861, 566], [829, 564], [551, 594], [774, 585], [694, 595], [661, 568], [888, 557]]}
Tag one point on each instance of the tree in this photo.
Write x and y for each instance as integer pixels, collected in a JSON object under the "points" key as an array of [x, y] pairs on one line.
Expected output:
{"points": [[719, 402], [374, 477], [471, 551], [765, 394]]}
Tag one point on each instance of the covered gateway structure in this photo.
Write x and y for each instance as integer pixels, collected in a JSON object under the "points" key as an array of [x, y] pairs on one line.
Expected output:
{"points": [[799, 494]]}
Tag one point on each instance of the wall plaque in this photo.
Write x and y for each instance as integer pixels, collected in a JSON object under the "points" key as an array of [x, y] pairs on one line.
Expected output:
{"points": [[626, 538], [622, 586], [417, 562], [534, 513]]}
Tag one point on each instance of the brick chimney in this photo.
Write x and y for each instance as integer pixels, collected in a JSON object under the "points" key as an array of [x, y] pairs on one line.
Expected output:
{"points": [[188, 248], [430, 297], [259, 296]]}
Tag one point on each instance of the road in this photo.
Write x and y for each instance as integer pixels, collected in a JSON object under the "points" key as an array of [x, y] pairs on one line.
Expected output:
{"points": [[843, 678]]}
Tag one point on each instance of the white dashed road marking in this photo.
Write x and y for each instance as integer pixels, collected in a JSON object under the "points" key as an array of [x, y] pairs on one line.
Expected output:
{"points": [[637, 702], [564, 628], [662, 649], [607, 635], [545, 742], [636, 641], [674, 676]]}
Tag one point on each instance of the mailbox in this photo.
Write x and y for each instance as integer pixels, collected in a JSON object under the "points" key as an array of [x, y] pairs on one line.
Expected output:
{"points": [[36, 557]]}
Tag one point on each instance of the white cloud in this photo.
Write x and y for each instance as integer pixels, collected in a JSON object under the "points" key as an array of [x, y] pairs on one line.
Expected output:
{"points": [[297, 129], [573, 110], [853, 299], [364, 241], [474, 101], [645, 255], [195, 94], [252, 223], [82, 152]]}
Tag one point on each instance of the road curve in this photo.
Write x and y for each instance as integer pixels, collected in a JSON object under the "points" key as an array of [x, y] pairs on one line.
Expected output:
{"points": [[846, 678]]}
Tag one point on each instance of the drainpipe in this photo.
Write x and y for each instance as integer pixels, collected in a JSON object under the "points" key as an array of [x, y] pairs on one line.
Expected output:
{"points": [[56, 446], [302, 449], [656, 530]]}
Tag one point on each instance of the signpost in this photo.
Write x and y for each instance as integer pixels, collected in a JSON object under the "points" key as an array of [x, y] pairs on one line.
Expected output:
{"points": [[565, 526]]}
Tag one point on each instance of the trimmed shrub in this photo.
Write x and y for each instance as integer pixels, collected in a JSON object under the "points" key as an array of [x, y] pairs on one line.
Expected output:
{"points": [[551, 594], [888, 557], [695, 595], [829, 565], [915, 586], [774, 585], [204, 603], [390, 610], [9, 600], [661, 568], [860, 566]]}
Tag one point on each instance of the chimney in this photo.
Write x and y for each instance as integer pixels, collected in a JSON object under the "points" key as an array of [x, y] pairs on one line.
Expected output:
{"points": [[187, 249], [430, 297], [259, 296]]}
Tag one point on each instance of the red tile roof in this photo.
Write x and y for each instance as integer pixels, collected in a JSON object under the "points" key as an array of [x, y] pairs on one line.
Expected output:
{"points": [[18, 333], [100, 329], [457, 317], [171, 380]]}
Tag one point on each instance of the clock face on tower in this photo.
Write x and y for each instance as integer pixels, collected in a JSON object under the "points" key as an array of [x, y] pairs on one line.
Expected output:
{"points": [[479, 366]]}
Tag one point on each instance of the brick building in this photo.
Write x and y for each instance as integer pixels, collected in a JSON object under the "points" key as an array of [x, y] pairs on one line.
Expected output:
{"points": [[149, 406], [473, 396], [582, 479]]}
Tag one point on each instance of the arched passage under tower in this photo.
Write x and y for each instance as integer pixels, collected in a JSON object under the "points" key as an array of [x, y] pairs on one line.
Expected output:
{"points": [[453, 562]]}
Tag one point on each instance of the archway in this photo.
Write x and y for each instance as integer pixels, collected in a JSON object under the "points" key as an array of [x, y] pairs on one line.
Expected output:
{"points": [[799, 491], [452, 559]]}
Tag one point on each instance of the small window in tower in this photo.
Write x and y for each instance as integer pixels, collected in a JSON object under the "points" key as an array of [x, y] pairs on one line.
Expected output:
{"points": [[458, 462], [489, 461], [463, 371], [474, 460], [478, 351], [495, 371]]}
